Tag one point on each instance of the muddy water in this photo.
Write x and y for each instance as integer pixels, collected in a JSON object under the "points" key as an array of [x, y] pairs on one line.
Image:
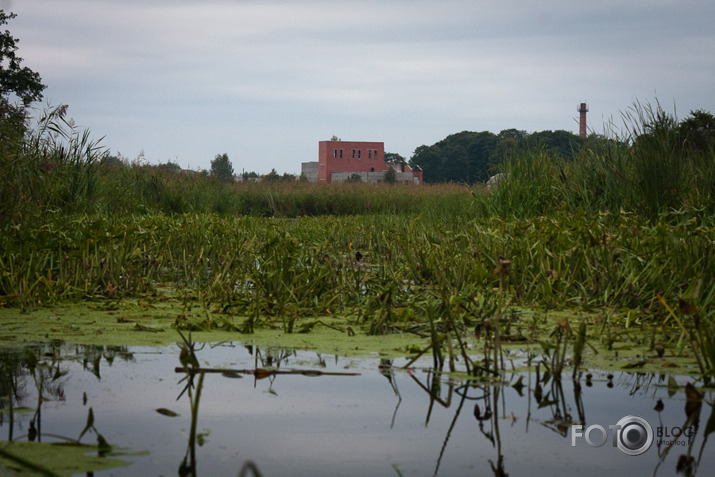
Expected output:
{"points": [[385, 421]]}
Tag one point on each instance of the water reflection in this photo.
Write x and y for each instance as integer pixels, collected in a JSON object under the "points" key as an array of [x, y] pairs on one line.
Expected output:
{"points": [[35, 374], [242, 409]]}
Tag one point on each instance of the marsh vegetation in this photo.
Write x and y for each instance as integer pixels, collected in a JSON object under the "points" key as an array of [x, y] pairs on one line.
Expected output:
{"points": [[622, 236], [565, 275]]}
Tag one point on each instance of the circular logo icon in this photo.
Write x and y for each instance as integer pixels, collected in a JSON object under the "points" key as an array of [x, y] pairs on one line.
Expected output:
{"points": [[634, 435]]}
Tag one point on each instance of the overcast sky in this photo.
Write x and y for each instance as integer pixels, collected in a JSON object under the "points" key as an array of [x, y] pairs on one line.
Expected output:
{"points": [[264, 81]]}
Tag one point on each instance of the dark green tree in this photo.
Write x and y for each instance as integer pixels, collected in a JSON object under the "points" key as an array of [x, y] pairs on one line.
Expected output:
{"points": [[250, 175], [508, 142], [170, 166], [272, 176], [17, 83], [470, 156], [15, 79], [394, 158], [557, 143], [391, 176], [461, 157], [698, 131], [429, 159], [221, 168]]}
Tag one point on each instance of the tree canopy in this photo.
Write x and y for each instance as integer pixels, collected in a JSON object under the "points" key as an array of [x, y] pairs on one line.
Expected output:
{"points": [[17, 82], [471, 156], [221, 168], [15, 79], [394, 158], [698, 131]]}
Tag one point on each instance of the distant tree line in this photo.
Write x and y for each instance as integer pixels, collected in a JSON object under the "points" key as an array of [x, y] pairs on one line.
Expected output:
{"points": [[471, 156]]}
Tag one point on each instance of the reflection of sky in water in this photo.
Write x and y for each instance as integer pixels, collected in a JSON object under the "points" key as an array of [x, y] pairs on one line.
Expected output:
{"points": [[336, 425]]}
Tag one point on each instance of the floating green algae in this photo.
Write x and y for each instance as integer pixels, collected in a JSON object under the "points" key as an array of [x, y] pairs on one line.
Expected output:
{"points": [[61, 459], [613, 340], [610, 344], [138, 323]]}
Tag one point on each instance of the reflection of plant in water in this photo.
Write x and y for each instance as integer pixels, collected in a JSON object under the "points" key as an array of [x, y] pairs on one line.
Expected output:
{"points": [[487, 414], [46, 379], [555, 399], [44, 364], [433, 388], [91, 356], [687, 463], [548, 392], [388, 371], [488, 419], [487, 397], [272, 359], [190, 363], [14, 366], [103, 447]]}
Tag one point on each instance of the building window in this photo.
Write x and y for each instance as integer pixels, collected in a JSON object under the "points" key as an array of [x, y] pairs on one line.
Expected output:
{"points": [[353, 153], [359, 151], [341, 154], [335, 153], [369, 153]]}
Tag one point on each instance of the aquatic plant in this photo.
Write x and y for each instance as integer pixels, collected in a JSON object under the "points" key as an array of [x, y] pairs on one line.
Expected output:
{"points": [[698, 333], [585, 234]]}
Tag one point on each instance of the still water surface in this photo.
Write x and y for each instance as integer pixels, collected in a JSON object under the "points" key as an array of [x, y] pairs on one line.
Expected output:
{"points": [[386, 421]]}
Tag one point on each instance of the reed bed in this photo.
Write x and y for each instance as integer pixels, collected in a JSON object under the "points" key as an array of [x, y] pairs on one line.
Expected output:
{"points": [[396, 273], [593, 233]]}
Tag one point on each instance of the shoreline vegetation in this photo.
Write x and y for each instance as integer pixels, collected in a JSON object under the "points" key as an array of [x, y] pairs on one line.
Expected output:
{"points": [[624, 230]]}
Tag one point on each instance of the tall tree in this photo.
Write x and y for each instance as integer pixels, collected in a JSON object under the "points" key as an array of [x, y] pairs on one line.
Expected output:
{"points": [[16, 83], [272, 176], [221, 168]]}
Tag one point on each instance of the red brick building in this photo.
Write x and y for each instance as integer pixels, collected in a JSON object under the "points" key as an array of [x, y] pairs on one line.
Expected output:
{"points": [[338, 160], [349, 156]]}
